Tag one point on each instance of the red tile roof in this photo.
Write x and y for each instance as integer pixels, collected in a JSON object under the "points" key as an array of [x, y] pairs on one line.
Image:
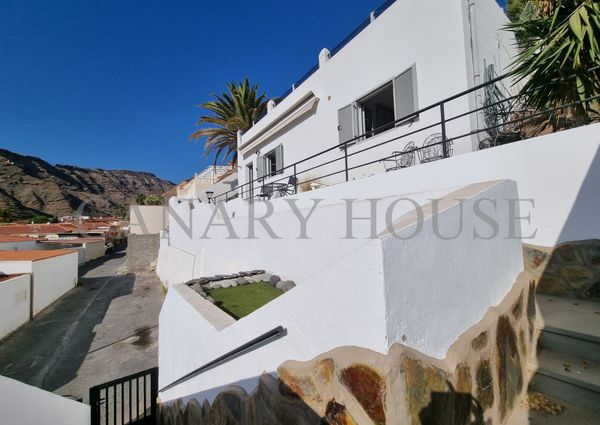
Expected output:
{"points": [[33, 255], [15, 238]]}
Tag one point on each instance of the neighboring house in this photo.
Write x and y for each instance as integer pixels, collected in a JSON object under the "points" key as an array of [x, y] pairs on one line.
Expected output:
{"points": [[410, 54], [17, 243], [196, 187], [88, 248], [15, 305], [54, 273]]}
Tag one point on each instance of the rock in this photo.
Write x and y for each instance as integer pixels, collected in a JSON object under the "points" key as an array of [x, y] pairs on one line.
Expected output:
{"points": [[197, 287], [508, 364], [285, 285], [241, 281], [369, 389], [211, 299], [274, 279], [214, 286], [428, 395], [463, 401], [234, 284], [480, 342], [254, 272], [485, 384], [199, 281], [336, 414], [262, 277], [227, 407], [192, 413]]}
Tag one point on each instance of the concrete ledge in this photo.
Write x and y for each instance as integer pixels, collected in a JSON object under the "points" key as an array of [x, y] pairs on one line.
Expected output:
{"points": [[212, 314]]}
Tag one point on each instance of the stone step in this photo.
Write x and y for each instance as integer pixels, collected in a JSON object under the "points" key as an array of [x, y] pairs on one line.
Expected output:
{"points": [[568, 378], [569, 325], [571, 415]]}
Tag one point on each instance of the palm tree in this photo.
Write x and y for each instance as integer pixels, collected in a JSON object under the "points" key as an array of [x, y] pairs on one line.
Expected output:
{"points": [[558, 47], [232, 111]]}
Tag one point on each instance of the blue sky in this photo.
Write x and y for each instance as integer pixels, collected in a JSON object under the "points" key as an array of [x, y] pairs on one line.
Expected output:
{"points": [[114, 84]]}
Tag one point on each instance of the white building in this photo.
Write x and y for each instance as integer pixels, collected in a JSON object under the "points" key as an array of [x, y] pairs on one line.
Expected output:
{"points": [[54, 273], [196, 187], [408, 56], [15, 292]]}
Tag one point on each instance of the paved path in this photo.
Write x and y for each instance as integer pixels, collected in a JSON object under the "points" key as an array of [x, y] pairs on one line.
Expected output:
{"points": [[105, 328]]}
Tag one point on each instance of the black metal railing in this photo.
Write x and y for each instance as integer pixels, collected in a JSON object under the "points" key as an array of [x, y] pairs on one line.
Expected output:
{"points": [[257, 342], [518, 114], [127, 400]]}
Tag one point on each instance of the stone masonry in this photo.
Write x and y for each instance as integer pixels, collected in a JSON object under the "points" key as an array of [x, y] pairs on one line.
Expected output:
{"points": [[570, 269], [481, 381]]}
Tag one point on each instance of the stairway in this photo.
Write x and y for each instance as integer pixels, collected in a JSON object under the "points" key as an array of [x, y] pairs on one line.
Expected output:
{"points": [[569, 351]]}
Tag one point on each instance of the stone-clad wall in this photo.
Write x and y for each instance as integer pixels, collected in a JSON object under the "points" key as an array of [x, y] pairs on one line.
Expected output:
{"points": [[570, 269], [481, 381]]}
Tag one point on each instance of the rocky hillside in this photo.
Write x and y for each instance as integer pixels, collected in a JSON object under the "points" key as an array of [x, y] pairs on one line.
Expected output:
{"points": [[33, 186]]}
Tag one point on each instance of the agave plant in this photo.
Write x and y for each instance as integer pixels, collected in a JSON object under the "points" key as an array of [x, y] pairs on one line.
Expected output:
{"points": [[232, 111], [558, 56]]}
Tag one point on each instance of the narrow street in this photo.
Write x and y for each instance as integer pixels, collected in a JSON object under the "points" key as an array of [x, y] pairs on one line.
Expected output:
{"points": [[105, 328]]}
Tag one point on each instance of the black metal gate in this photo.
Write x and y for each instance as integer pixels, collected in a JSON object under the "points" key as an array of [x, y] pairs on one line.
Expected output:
{"points": [[128, 400]]}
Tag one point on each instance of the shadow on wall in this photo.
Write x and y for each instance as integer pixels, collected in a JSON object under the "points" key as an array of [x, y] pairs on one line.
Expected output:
{"points": [[62, 334], [572, 268], [583, 221]]}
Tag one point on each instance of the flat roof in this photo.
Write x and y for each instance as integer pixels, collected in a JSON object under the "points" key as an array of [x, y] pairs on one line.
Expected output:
{"points": [[33, 255], [71, 241], [5, 277]]}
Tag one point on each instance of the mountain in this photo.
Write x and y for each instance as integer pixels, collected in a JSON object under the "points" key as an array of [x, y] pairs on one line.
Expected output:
{"points": [[32, 186]]}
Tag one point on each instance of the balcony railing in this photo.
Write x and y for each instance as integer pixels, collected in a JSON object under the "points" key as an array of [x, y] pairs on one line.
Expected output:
{"points": [[506, 121]]}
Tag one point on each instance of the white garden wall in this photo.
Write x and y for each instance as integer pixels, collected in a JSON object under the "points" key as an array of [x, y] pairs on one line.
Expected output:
{"points": [[19, 245], [23, 404], [342, 292], [14, 303], [147, 219]]}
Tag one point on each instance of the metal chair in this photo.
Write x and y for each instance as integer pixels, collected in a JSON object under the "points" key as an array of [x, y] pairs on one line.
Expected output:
{"points": [[433, 148], [401, 159], [266, 191], [292, 186]]}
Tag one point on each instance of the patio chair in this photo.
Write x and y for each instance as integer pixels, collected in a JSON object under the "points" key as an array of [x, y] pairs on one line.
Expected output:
{"points": [[433, 148], [266, 191], [401, 159], [292, 186]]}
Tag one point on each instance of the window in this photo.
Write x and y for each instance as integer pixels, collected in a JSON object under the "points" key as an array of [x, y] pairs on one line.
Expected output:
{"points": [[378, 111], [271, 163]]}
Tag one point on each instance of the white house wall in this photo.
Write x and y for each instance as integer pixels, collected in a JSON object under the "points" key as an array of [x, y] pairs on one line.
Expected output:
{"points": [[14, 303], [19, 246], [53, 277], [26, 405], [94, 250], [429, 34]]}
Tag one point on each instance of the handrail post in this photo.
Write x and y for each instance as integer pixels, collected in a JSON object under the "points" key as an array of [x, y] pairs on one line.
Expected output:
{"points": [[443, 124], [346, 160]]}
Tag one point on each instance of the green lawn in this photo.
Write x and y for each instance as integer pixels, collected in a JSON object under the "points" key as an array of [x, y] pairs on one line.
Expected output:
{"points": [[243, 300]]}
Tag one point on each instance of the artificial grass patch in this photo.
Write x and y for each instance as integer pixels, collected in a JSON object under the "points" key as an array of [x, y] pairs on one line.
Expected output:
{"points": [[244, 299]]}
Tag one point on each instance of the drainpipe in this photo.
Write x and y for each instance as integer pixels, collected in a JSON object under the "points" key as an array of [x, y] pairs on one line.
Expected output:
{"points": [[475, 65]]}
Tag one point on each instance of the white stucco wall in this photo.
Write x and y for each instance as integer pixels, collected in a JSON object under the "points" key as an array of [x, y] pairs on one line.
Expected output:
{"points": [[14, 303], [395, 41], [346, 293], [52, 277], [436, 288], [19, 246], [94, 250], [26, 405], [147, 219]]}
